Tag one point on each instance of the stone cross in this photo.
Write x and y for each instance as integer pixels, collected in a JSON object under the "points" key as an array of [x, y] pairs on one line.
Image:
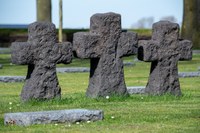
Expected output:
{"points": [[41, 53], [105, 44], [164, 50]]}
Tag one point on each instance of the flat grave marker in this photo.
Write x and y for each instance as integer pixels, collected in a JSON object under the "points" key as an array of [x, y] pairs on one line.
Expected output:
{"points": [[57, 116]]}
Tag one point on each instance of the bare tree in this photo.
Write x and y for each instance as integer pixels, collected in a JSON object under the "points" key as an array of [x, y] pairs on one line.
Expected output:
{"points": [[196, 34], [44, 10], [191, 22], [60, 36]]}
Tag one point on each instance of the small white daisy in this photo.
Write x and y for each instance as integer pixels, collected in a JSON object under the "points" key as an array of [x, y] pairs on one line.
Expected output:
{"points": [[107, 97]]}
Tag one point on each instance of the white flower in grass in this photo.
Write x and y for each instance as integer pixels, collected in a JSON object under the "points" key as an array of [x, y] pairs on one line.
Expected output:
{"points": [[56, 124], [142, 98], [112, 117], [69, 125], [77, 123], [10, 108], [10, 103], [107, 97], [88, 121]]}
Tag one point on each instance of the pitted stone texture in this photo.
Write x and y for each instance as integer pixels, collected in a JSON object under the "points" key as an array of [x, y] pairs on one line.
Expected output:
{"points": [[164, 51], [105, 44], [12, 78], [58, 116], [41, 53]]}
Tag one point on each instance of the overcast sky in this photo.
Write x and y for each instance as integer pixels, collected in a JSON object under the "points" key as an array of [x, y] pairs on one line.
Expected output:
{"points": [[77, 13]]}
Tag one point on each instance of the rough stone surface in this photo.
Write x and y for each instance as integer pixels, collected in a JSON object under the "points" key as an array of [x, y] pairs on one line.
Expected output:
{"points": [[41, 53], [72, 69], [12, 78], [188, 74], [1, 66], [164, 50], [58, 116], [105, 44], [136, 89]]}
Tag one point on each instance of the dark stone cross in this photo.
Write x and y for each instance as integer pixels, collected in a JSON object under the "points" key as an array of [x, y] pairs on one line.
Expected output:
{"points": [[105, 44], [164, 50], [41, 53]]}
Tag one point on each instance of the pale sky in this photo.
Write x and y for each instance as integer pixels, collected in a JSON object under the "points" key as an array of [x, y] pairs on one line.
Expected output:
{"points": [[77, 13]]}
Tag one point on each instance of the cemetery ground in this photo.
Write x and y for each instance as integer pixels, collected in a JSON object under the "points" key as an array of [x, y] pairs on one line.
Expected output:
{"points": [[136, 113]]}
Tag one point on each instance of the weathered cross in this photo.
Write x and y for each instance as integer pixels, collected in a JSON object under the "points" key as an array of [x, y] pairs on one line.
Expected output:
{"points": [[41, 53], [164, 50], [105, 44]]}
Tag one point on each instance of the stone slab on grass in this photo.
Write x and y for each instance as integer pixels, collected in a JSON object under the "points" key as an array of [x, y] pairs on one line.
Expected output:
{"points": [[136, 89], [196, 51], [4, 50], [57, 116], [12, 78], [128, 64], [72, 69], [83, 69], [188, 74]]}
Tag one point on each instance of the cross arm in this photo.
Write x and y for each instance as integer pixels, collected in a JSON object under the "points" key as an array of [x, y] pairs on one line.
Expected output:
{"points": [[148, 50], [64, 52], [185, 49], [21, 53], [86, 45], [127, 44]]}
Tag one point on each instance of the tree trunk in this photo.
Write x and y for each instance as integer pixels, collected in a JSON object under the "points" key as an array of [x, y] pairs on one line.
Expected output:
{"points": [[191, 22], [44, 10], [60, 36], [196, 34]]}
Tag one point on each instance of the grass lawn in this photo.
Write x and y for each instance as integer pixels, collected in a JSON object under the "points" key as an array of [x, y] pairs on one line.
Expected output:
{"points": [[136, 113]]}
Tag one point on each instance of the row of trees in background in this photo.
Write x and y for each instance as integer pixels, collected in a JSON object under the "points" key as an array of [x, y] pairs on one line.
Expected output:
{"points": [[146, 23], [190, 27]]}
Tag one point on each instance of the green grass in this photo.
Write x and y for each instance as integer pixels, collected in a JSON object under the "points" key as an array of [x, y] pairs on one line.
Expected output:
{"points": [[136, 113]]}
